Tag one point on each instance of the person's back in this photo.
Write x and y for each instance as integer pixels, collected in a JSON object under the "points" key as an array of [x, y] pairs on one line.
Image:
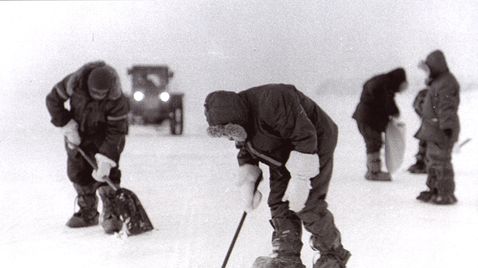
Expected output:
{"points": [[377, 100], [277, 117]]}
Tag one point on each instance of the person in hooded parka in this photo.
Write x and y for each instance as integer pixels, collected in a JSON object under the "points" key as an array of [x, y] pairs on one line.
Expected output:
{"points": [[374, 111], [440, 129], [96, 122], [279, 126]]}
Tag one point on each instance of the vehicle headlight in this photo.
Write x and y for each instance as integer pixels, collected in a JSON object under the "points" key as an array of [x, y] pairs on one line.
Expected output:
{"points": [[138, 96], [164, 96]]}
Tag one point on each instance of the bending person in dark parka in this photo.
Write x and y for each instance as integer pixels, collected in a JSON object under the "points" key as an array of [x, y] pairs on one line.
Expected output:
{"points": [[278, 125], [97, 123], [374, 111], [440, 128]]}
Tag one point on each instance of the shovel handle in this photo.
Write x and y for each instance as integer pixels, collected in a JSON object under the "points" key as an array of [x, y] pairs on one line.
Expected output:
{"points": [[239, 227], [94, 166], [234, 239]]}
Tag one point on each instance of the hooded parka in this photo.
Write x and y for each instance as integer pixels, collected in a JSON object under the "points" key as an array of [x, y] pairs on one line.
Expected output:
{"points": [[440, 107]]}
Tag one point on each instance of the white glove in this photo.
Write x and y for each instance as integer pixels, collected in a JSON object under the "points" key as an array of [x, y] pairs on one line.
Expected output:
{"points": [[104, 167], [302, 166], [70, 131], [297, 193], [247, 177]]}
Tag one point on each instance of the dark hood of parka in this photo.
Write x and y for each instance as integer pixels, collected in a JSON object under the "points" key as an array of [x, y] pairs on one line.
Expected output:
{"points": [[79, 80], [222, 107], [437, 63], [396, 78]]}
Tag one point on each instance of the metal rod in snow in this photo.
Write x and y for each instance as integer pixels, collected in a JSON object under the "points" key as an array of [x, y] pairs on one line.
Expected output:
{"points": [[234, 239], [465, 142]]}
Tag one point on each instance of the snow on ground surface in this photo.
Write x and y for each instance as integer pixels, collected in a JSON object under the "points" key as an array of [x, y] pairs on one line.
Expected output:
{"points": [[186, 184]]}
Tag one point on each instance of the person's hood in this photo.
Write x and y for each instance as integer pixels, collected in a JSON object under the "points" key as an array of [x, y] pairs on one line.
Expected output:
{"points": [[82, 74], [396, 77], [437, 63], [223, 107]]}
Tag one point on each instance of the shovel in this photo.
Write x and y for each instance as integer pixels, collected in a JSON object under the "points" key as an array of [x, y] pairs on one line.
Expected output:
{"points": [[127, 205]]}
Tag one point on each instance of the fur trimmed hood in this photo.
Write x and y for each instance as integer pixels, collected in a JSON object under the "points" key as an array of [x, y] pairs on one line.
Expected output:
{"points": [[78, 79], [223, 107]]}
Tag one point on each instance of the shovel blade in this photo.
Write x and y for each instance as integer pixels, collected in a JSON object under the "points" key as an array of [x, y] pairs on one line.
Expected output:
{"points": [[132, 213]]}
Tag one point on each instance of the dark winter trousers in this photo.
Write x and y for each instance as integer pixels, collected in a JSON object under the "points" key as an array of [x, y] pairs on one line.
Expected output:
{"points": [[372, 137], [441, 177], [79, 171], [422, 151], [317, 219]]}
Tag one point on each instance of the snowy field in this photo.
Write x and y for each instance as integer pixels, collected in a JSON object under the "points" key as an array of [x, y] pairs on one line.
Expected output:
{"points": [[186, 184]]}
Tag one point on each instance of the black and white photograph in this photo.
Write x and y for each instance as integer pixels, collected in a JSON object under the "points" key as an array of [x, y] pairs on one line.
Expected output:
{"points": [[239, 134]]}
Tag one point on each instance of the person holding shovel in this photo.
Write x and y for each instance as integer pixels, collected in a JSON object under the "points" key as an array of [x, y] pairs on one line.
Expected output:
{"points": [[278, 125], [96, 122]]}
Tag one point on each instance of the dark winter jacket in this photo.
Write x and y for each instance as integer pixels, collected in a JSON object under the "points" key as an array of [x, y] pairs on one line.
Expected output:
{"points": [[419, 100], [440, 108], [102, 123], [278, 118], [377, 102]]}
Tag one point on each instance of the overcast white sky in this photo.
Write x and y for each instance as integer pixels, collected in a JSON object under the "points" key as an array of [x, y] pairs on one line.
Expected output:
{"points": [[234, 44]]}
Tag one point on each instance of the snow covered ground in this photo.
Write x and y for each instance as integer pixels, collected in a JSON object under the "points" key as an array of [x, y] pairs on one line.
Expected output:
{"points": [[186, 184]]}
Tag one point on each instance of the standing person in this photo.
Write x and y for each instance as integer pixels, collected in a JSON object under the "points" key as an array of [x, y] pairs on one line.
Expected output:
{"points": [[97, 123], [374, 111], [278, 125], [440, 128], [420, 165]]}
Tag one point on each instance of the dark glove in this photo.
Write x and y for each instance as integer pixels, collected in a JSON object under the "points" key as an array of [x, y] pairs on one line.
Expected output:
{"points": [[448, 132]]}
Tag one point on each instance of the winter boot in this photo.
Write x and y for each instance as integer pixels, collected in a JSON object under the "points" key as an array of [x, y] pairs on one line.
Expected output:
{"points": [[88, 202], [374, 165], [110, 222], [446, 199], [334, 256], [418, 168], [445, 184], [426, 196], [286, 244]]}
